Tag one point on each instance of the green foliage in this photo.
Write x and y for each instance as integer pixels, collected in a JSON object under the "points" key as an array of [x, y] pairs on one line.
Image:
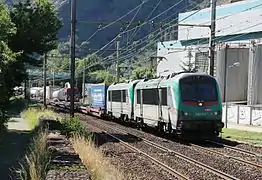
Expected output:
{"points": [[7, 59], [90, 63], [7, 28], [57, 62], [103, 76], [72, 126], [142, 73], [29, 27], [37, 158], [37, 26]]}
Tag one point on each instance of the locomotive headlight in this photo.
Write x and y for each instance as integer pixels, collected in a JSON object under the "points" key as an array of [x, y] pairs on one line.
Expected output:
{"points": [[215, 113], [186, 113]]}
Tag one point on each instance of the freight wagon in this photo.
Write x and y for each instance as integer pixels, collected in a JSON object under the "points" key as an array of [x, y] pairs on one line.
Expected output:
{"points": [[96, 95], [63, 94]]}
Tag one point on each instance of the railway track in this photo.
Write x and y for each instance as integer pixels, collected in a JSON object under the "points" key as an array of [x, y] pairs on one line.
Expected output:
{"points": [[162, 165], [203, 165], [157, 162], [228, 156], [179, 155], [236, 149]]}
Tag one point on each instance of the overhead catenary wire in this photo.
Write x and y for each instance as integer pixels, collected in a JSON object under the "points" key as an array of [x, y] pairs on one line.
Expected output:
{"points": [[140, 25], [140, 6], [223, 17], [182, 50], [100, 28], [166, 23], [169, 23], [150, 14], [244, 10]]}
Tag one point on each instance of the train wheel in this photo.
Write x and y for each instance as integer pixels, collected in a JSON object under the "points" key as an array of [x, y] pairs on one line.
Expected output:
{"points": [[140, 124], [169, 127], [161, 127]]}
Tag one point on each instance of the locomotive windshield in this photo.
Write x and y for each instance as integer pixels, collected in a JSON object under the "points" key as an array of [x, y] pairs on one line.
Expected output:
{"points": [[198, 90]]}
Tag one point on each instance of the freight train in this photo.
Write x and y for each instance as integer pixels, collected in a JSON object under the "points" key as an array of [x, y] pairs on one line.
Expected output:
{"points": [[63, 94], [186, 104]]}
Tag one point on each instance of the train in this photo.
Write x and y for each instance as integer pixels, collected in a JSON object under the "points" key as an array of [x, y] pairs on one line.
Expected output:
{"points": [[185, 104], [63, 94]]}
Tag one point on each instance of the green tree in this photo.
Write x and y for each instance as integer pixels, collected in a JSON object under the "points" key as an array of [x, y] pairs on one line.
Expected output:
{"points": [[57, 62], [7, 59], [103, 76], [90, 63], [30, 27], [142, 73], [37, 26]]}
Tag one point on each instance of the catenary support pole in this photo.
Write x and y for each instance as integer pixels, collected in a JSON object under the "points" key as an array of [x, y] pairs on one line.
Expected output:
{"points": [[117, 61], [83, 85], [225, 85], [44, 68], [72, 52], [212, 45]]}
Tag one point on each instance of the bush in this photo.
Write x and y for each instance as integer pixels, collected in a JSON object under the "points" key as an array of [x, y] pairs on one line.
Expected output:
{"points": [[72, 126]]}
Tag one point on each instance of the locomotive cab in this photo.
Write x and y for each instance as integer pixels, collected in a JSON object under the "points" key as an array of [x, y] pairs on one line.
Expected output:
{"points": [[200, 109]]}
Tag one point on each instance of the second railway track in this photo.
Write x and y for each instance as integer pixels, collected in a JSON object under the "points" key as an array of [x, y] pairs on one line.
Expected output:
{"points": [[245, 157], [224, 164], [217, 174]]}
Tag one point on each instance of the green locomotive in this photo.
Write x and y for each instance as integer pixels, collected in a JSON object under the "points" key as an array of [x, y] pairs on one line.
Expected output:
{"points": [[187, 104]]}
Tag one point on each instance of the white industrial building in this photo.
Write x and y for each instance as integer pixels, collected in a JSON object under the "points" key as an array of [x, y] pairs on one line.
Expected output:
{"points": [[238, 53]]}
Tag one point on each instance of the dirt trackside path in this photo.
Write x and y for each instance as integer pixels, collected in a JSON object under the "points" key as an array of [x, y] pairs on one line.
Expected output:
{"points": [[13, 145]]}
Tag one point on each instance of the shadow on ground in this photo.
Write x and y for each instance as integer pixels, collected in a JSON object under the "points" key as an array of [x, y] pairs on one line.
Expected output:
{"points": [[13, 143], [12, 149]]}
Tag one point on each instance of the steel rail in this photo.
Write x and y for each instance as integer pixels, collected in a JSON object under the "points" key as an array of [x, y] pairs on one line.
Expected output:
{"points": [[157, 162], [228, 156], [165, 167], [179, 155], [237, 149]]}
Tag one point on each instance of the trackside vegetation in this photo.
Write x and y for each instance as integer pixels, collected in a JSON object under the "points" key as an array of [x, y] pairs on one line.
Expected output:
{"points": [[94, 159], [27, 28], [34, 114], [38, 158], [254, 138]]}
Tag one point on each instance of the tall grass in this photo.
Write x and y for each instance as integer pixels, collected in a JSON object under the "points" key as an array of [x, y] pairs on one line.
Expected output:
{"points": [[94, 159], [33, 115], [36, 160]]}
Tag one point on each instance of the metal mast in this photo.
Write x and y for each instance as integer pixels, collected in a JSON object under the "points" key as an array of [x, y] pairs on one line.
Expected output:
{"points": [[73, 30], [212, 45]]}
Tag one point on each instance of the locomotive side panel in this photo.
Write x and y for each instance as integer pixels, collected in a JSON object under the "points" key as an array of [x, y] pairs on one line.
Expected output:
{"points": [[150, 106]]}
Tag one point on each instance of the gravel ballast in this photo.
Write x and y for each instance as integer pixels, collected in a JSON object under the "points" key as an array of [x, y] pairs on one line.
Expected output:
{"points": [[65, 163], [224, 164], [132, 164]]}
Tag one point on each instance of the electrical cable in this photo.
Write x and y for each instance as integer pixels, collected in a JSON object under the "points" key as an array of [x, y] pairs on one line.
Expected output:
{"points": [[150, 14], [223, 17], [167, 23], [131, 20], [140, 25]]}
